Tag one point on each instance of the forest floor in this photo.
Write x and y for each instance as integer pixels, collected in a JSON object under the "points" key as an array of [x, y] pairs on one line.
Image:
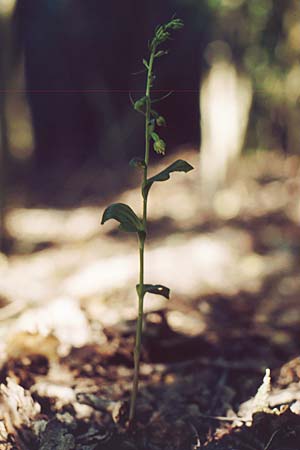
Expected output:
{"points": [[68, 309]]}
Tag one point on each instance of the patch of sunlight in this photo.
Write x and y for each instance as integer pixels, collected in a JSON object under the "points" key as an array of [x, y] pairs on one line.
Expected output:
{"points": [[40, 225], [153, 303], [106, 314], [294, 36], [186, 266], [103, 275], [272, 196], [191, 325], [227, 203], [214, 262], [20, 344], [232, 4], [7, 7], [293, 213], [62, 395], [252, 265], [201, 264], [112, 307], [254, 268], [61, 318], [3, 262], [292, 81]]}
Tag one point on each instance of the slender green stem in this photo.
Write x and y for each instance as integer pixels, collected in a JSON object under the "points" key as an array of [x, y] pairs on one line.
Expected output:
{"points": [[139, 326], [138, 338]]}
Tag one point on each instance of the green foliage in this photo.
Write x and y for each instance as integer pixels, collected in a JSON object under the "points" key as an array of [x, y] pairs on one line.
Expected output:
{"points": [[127, 218], [178, 166], [129, 221], [157, 289]]}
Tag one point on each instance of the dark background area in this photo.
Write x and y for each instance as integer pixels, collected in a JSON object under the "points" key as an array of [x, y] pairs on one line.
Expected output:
{"points": [[83, 57]]}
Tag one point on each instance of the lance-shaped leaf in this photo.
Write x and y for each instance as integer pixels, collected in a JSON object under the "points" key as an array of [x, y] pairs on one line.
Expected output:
{"points": [[178, 166], [157, 289], [129, 221]]}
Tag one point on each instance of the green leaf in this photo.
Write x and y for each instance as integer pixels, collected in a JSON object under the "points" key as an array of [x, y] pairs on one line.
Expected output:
{"points": [[145, 64], [178, 166], [157, 289], [137, 162], [129, 221]]}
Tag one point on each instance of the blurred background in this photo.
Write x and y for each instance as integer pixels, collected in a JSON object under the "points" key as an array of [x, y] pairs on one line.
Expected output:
{"points": [[67, 68], [67, 71]]}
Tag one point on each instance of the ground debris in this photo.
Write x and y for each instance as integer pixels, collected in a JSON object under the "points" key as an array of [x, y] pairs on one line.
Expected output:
{"points": [[68, 325], [56, 437], [268, 431], [19, 407]]}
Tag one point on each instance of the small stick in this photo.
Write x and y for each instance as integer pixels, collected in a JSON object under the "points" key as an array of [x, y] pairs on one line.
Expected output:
{"points": [[224, 418]]}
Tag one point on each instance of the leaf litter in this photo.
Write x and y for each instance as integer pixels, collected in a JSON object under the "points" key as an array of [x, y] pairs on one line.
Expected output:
{"points": [[66, 352]]}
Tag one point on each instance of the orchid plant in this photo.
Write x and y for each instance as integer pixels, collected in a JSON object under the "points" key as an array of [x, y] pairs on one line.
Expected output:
{"points": [[124, 214]]}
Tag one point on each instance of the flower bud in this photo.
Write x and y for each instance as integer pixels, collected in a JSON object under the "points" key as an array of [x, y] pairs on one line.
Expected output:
{"points": [[139, 104], [161, 121]]}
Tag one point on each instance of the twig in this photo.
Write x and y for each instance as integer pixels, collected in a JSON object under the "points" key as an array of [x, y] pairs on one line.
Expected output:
{"points": [[196, 446], [224, 418], [271, 439]]}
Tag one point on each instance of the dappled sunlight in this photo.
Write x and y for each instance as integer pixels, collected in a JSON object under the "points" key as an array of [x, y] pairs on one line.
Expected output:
{"points": [[60, 226], [62, 318], [84, 279], [69, 304], [103, 275], [190, 325]]}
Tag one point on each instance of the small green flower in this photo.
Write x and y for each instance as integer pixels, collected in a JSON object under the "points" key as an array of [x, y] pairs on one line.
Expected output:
{"points": [[160, 146], [139, 105], [162, 34], [161, 121], [175, 24]]}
